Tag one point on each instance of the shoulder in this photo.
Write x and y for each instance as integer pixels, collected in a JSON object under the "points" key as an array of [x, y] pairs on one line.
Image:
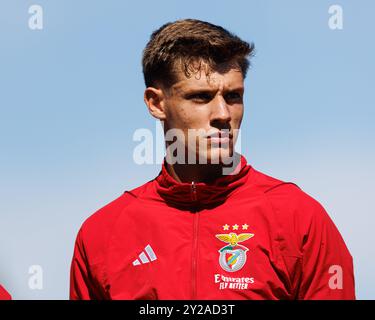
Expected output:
{"points": [[96, 229], [297, 216], [288, 200], [107, 215]]}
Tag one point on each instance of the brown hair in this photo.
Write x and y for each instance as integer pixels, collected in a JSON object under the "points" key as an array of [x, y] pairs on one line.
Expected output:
{"points": [[186, 44]]}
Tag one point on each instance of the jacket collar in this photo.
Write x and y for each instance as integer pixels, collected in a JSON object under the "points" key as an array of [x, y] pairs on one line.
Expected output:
{"points": [[195, 196]]}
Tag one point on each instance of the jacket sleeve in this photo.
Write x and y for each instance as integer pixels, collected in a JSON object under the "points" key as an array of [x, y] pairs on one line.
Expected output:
{"points": [[327, 265], [4, 295], [82, 284], [79, 279]]}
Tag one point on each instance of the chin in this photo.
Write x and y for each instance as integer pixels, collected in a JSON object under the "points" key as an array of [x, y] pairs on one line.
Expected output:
{"points": [[216, 156]]}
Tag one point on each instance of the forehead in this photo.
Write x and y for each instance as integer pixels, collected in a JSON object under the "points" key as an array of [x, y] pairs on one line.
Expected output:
{"points": [[227, 79]]}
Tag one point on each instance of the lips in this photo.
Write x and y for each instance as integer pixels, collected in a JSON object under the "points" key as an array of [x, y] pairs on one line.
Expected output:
{"points": [[220, 137], [215, 140]]}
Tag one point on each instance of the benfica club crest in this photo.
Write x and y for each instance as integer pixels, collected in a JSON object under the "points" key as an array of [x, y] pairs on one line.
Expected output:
{"points": [[233, 256]]}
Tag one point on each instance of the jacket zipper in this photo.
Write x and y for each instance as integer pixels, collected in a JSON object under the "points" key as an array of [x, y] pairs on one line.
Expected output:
{"points": [[193, 191], [195, 243]]}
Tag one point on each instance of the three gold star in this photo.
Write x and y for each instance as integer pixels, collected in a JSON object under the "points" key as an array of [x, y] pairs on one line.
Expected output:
{"points": [[235, 227]]}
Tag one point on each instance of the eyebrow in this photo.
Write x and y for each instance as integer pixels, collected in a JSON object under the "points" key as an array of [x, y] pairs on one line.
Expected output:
{"points": [[209, 90]]}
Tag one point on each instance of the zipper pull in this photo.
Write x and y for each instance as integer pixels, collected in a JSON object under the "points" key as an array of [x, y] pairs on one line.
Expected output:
{"points": [[193, 191]]}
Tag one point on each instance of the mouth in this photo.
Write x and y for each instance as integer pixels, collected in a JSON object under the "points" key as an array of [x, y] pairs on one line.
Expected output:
{"points": [[220, 137]]}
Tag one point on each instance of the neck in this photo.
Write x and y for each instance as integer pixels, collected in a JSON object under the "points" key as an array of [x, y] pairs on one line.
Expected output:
{"points": [[206, 173]]}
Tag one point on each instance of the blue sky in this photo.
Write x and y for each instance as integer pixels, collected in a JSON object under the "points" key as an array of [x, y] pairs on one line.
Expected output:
{"points": [[72, 97]]}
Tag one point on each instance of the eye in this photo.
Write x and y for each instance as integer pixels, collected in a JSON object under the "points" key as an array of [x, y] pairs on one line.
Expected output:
{"points": [[200, 97], [233, 97]]}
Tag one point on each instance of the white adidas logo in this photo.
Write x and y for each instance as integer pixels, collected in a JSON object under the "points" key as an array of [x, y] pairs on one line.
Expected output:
{"points": [[143, 257]]}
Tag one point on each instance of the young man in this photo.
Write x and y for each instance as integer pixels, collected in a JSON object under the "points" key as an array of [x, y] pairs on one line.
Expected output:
{"points": [[214, 228]]}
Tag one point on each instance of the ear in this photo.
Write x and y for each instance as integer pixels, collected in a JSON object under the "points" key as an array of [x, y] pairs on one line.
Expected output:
{"points": [[155, 101]]}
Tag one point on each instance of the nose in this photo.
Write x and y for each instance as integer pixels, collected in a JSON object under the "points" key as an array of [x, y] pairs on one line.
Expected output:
{"points": [[220, 114]]}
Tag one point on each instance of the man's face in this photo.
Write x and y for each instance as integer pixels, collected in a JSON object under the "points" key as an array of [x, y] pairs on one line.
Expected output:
{"points": [[209, 108]]}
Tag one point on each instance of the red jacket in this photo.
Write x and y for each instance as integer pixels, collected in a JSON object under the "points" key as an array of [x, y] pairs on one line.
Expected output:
{"points": [[4, 295], [247, 236]]}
